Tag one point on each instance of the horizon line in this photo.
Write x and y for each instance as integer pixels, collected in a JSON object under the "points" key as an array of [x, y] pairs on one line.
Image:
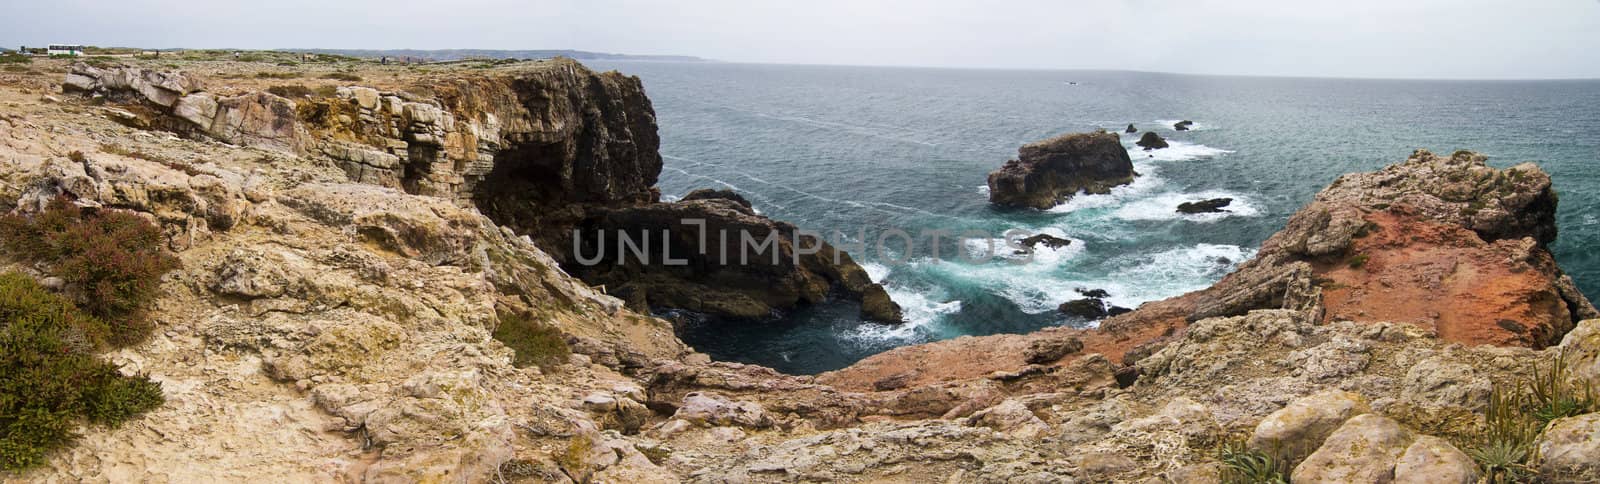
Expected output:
{"points": [[906, 66]]}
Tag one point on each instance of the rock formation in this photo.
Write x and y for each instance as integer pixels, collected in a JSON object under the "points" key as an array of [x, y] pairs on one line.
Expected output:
{"points": [[1205, 206], [1048, 172], [736, 263], [542, 151], [1130, 129], [1151, 141], [1092, 306], [326, 327], [1182, 125]]}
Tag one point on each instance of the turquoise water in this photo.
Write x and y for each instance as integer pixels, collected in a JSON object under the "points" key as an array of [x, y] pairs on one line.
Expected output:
{"points": [[846, 148]]}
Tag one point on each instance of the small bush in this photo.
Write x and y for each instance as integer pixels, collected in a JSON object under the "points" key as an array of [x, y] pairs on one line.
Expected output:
{"points": [[535, 343], [50, 378], [12, 58], [1243, 465], [342, 76], [112, 260], [1358, 261]]}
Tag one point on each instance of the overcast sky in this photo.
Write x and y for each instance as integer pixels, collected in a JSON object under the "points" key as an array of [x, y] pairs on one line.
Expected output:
{"points": [[1343, 38]]}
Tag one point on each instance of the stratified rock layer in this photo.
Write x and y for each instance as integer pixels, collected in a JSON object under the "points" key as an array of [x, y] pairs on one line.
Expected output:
{"points": [[1048, 172]]}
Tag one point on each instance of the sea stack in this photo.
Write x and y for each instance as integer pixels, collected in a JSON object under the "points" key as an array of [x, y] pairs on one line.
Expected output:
{"points": [[1131, 129], [1182, 125], [1151, 141], [1049, 172]]}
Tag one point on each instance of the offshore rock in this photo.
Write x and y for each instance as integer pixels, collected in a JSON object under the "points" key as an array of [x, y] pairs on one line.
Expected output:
{"points": [[1051, 171], [1151, 141], [1205, 206], [1182, 125], [1130, 129]]}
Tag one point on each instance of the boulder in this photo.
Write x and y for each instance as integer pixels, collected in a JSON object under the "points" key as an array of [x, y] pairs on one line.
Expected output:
{"points": [[1048, 350], [1299, 428], [1048, 172], [1131, 129], [1365, 449], [1151, 141], [1205, 206], [710, 409], [1182, 125], [1432, 460], [1582, 347], [1442, 381], [1570, 449]]}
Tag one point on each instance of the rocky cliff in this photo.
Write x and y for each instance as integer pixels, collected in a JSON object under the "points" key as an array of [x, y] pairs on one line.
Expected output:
{"points": [[326, 328], [1048, 172], [541, 151]]}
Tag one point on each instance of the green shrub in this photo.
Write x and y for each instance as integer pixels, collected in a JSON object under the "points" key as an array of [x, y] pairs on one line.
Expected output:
{"points": [[1359, 261], [112, 260], [1552, 393], [1243, 465], [10, 58], [50, 378], [535, 343]]}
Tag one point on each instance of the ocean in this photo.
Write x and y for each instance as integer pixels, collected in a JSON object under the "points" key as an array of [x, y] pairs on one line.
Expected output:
{"points": [[848, 149]]}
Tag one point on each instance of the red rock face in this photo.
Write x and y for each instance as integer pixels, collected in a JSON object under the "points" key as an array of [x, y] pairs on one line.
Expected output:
{"points": [[1447, 279]]}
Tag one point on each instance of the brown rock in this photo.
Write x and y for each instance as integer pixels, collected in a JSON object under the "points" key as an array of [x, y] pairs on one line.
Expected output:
{"points": [[1048, 350], [1050, 171]]}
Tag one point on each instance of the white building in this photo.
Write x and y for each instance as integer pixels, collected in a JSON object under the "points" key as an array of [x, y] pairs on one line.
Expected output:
{"points": [[64, 49]]}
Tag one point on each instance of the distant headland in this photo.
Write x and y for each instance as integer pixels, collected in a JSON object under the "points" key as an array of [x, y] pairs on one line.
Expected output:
{"points": [[459, 54]]}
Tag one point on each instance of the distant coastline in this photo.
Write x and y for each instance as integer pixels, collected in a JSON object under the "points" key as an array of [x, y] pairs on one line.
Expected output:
{"points": [[459, 54]]}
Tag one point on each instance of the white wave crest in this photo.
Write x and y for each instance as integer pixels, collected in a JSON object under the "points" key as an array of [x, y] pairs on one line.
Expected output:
{"points": [[1147, 182], [919, 310], [996, 248], [1165, 207], [1176, 151]]}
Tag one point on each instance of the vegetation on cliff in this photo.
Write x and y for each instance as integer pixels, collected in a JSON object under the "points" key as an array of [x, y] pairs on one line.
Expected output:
{"points": [[110, 261], [109, 264], [50, 377]]}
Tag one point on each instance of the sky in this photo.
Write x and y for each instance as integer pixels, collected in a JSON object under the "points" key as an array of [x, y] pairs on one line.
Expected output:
{"points": [[1449, 39]]}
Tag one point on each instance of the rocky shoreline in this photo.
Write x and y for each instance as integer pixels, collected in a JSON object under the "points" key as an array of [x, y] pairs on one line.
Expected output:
{"points": [[352, 258]]}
